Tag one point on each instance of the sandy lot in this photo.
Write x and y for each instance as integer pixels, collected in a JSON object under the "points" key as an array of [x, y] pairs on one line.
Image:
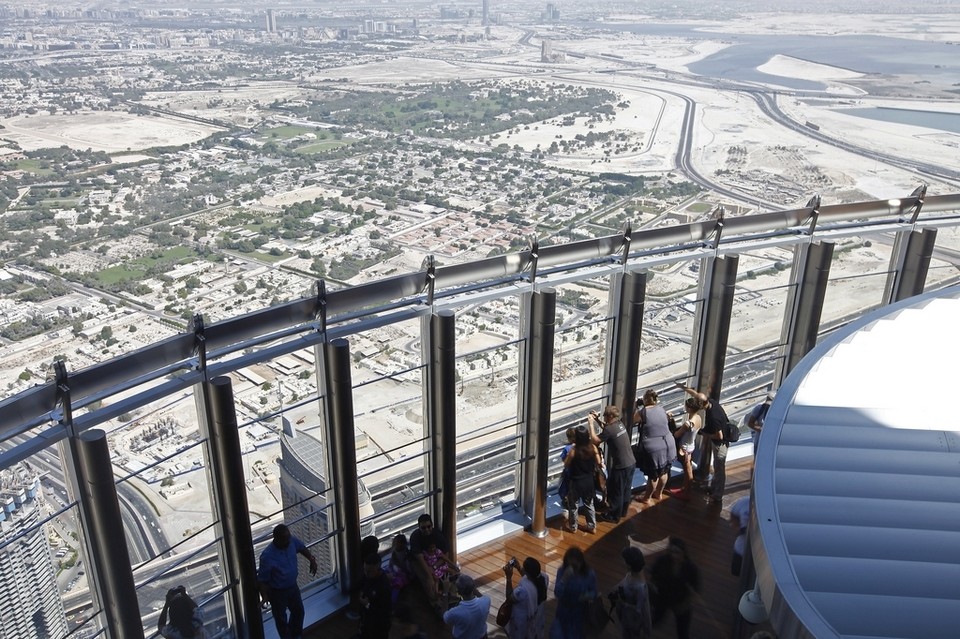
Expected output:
{"points": [[306, 194], [110, 131], [405, 69]]}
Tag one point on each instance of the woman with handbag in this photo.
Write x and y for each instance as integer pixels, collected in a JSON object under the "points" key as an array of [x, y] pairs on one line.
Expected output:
{"points": [[582, 463], [526, 618], [658, 446]]}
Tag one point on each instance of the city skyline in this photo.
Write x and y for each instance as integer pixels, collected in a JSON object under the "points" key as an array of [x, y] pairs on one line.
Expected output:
{"points": [[159, 164]]}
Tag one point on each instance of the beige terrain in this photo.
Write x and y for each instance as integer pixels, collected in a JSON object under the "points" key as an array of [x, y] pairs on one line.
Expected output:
{"points": [[769, 164]]}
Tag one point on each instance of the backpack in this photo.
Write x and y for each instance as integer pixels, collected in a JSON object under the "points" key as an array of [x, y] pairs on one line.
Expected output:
{"points": [[731, 432]]}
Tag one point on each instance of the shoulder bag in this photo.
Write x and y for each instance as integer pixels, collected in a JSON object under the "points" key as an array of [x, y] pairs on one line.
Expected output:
{"points": [[505, 612]]}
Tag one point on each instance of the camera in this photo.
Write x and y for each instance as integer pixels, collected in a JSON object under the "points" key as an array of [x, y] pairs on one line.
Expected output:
{"points": [[174, 593], [513, 562]]}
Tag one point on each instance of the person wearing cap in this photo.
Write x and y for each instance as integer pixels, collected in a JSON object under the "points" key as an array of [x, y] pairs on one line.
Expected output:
{"points": [[632, 597], [755, 419], [468, 619]]}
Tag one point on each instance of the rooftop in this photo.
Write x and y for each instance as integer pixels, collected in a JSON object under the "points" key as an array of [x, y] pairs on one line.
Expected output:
{"points": [[857, 480]]}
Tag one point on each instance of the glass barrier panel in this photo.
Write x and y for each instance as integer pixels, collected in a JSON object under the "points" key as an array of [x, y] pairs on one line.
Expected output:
{"points": [[158, 453], [488, 366], [858, 276], [390, 453], [669, 316], [583, 333], [943, 264], [387, 375], [760, 301]]}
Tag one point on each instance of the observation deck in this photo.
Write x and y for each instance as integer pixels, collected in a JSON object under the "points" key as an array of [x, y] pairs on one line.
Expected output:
{"points": [[705, 527]]}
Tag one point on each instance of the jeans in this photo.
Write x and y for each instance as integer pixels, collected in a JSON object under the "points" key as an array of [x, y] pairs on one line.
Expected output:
{"points": [[619, 485], [573, 501], [719, 468], [283, 600], [701, 458]]}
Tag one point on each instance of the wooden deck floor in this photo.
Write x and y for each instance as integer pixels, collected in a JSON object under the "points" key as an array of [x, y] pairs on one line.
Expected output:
{"points": [[705, 527]]}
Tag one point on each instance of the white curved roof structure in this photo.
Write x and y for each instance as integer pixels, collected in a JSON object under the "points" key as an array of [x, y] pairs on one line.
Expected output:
{"points": [[856, 529]]}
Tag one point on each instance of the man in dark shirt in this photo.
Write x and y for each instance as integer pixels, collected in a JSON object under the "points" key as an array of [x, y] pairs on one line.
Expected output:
{"points": [[621, 460], [420, 540], [375, 600], [714, 443], [677, 581]]}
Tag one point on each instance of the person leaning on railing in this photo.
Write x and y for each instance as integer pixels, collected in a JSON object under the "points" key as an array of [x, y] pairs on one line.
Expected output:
{"points": [[714, 423], [277, 580], [615, 435]]}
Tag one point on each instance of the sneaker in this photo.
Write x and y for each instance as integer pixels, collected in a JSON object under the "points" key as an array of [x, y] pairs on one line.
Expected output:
{"points": [[609, 518], [590, 530], [570, 529]]}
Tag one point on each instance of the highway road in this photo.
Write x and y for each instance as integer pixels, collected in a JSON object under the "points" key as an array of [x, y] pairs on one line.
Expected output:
{"points": [[767, 102], [145, 538]]}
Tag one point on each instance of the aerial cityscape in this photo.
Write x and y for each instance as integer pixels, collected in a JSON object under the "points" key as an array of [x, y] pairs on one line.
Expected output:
{"points": [[162, 160]]}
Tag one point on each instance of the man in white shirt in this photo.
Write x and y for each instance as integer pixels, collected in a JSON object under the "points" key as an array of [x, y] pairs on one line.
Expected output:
{"points": [[468, 619]]}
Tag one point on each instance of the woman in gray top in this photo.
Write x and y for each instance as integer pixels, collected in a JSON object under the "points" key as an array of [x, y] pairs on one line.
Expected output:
{"points": [[658, 448]]}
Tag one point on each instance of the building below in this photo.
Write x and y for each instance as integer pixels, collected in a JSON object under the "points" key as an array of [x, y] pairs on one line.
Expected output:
{"points": [[30, 605], [305, 496]]}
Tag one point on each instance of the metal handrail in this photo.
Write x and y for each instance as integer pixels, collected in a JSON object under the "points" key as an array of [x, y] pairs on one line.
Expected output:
{"points": [[298, 318]]}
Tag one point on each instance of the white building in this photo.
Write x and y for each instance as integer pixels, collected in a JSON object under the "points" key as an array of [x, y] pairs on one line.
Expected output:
{"points": [[30, 605]]}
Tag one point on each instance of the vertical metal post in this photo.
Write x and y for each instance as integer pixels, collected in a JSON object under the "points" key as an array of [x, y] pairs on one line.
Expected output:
{"points": [[538, 393], [709, 352], [442, 422], [343, 454], [226, 460], [801, 322], [110, 558], [626, 348], [909, 263]]}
